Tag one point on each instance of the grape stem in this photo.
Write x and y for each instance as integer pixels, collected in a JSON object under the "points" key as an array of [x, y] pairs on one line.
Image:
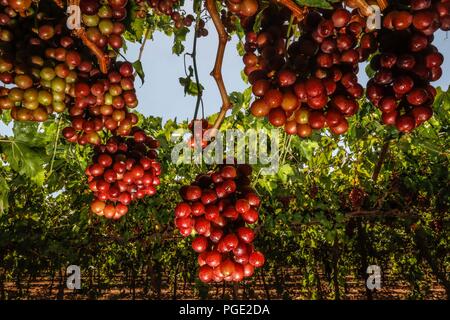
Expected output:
{"points": [[70, 2], [297, 11], [383, 153], [103, 59], [216, 73], [194, 62], [383, 4], [59, 3], [141, 49], [362, 5], [377, 213], [144, 41], [55, 145]]}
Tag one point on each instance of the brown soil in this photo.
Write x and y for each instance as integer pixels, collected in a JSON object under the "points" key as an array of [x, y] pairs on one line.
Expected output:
{"points": [[292, 288]]}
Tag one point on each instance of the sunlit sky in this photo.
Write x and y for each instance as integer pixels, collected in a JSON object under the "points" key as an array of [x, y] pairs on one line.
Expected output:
{"points": [[161, 95]]}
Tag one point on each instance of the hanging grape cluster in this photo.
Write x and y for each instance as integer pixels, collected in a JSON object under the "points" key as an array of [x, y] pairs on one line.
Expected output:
{"points": [[219, 208], [102, 104], [407, 63], [198, 129], [48, 68], [311, 83], [169, 8], [39, 65], [123, 170], [103, 22]]}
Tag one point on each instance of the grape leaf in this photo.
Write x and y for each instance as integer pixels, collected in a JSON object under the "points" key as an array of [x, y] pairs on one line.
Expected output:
{"points": [[4, 192], [326, 4], [25, 161], [179, 38], [137, 65]]}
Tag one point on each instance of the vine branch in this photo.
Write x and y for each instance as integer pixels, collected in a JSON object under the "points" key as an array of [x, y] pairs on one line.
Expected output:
{"points": [[383, 4], [297, 11], [194, 62], [362, 5], [377, 213], [103, 59], [216, 73], [141, 49], [381, 159], [55, 145], [59, 3]]}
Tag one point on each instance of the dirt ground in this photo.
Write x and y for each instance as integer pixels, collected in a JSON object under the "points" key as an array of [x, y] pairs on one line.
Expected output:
{"points": [[353, 289]]}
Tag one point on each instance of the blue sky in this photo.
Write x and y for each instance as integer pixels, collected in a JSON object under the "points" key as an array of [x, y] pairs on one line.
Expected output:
{"points": [[162, 95]]}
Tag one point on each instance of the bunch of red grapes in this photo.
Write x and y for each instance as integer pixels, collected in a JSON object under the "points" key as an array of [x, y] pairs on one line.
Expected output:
{"points": [[219, 207], [198, 129], [102, 103], [165, 7], [104, 22], [407, 62], [313, 84], [243, 8], [20, 6], [123, 170], [440, 7]]}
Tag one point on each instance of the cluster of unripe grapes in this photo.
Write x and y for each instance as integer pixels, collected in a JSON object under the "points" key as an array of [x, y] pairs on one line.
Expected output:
{"points": [[36, 63], [407, 62], [313, 83], [47, 69], [103, 21], [53, 71], [101, 104], [123, 170], [218, 208]]}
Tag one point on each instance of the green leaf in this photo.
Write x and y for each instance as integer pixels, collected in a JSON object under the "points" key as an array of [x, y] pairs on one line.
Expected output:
{"points": [[6, 117], [138, 29], [285, 171], [259, 16], [4, 192], [317, 3], [179, 38], [25, 161], [28, 132], [190, 86], [369, 71], [240, 48], [137, 65]]}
